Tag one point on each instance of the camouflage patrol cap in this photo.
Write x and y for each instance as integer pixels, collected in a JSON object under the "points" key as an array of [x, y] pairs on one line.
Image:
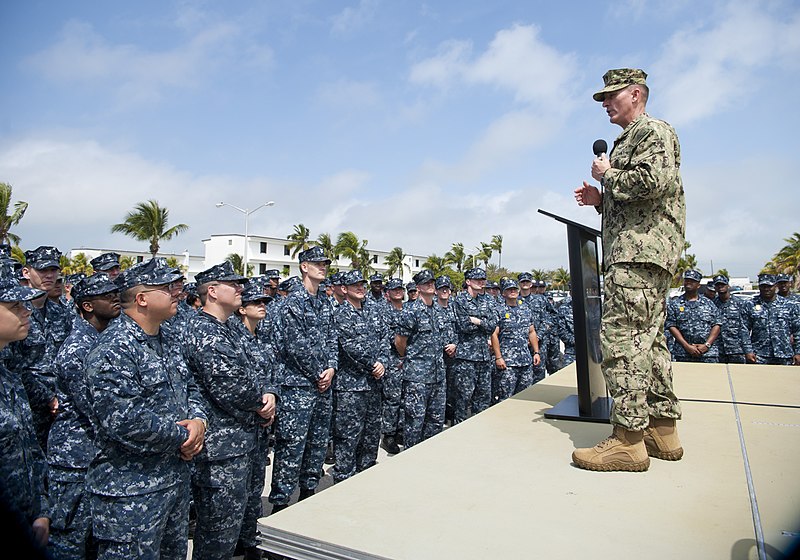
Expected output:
{"points": [[314, 254], [190, 288], [377, 277], [5, 251], [692, 275], [766, 279], [353, 277], [507, 284], [272, 273], [10, 289], [525, 276], [782, 278], [254, 292], [290, 284], [337, 277], [476, 273], [73, 279], [618, 79], [492, 285], [721, 279], [394, 283], [443, 282], [106, 261], [95, 285], [147, 273], [43, 257], [411, 287], [222, 272], [422, 277]]}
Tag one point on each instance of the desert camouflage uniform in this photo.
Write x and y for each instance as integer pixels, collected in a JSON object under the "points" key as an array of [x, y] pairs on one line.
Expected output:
{"points": [[363, 341], [474, 363], [694, 319], [305, 339], [139, 484], [423, 373], [71, 446], [644, 225]]}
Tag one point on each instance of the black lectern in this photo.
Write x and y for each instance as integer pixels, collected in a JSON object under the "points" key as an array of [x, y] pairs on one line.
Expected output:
{"points": [[592, 403]]}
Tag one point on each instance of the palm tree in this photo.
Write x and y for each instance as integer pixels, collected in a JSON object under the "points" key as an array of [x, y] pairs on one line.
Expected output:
{"points": [[6, 220], [787, 259], [497, 245], [238, 264], [561, 278], [148, 222], [483, 254], [78, 263], [539, 274], [126, 261], [437, 265], [298, 241], [326, 243], [456, 256], [350, 247], [396, 261]]}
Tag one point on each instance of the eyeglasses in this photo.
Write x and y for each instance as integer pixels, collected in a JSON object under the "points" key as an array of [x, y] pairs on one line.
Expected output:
{"points": [[166, 288]]}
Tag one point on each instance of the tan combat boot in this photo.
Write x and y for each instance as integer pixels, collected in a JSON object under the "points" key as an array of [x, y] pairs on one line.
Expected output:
{"points": [[661, 439], [623, 450]]}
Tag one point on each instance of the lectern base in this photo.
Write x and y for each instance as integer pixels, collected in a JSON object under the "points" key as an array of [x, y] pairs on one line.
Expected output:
{"points": [[568, 409]]}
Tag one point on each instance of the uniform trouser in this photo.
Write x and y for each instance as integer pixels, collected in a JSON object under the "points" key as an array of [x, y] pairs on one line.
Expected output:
{"points": [[540, 371], [732, 359], [356, 431], [569, 355], [555, 359], [392, 405], [220, 497], [450, 388], [703, 359], [71, 519], [301, 437], [146, 527], [514, 379], [253, 510], [636, 363], [473, 388], [773, 361], [424, 405]]}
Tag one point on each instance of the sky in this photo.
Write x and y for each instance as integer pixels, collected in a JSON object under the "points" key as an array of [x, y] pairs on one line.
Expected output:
{"points": [[411, 124]]}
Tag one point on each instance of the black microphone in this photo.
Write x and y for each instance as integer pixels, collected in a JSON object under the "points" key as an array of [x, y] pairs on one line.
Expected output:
{"points": [[599, 147]]}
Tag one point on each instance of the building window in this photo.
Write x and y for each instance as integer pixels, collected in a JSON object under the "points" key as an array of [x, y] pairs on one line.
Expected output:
{"points": [[286, 271], [375, 259], [262, 268], [139, 259], [263, 247], [285, 250], [230, 241], [416, 261]]}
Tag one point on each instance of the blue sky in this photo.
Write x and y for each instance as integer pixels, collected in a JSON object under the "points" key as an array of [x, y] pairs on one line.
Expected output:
{"points": [[409, 123]]}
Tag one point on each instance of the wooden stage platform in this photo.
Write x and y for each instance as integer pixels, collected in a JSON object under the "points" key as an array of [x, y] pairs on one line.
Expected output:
{"points": [[501, 485]]}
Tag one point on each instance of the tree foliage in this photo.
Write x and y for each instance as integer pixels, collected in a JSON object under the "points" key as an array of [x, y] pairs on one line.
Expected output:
{"points": [[237, 261], [395, 260], [149, 222], [787, 259], [7, 221], [299, 239]]}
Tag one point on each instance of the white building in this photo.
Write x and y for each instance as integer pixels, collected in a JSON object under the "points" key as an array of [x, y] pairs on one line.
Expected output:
{"points": [[192, 264]]}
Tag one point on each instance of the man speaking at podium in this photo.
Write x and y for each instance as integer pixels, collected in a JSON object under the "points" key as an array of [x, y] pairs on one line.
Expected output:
{"points": [[644, 223]]}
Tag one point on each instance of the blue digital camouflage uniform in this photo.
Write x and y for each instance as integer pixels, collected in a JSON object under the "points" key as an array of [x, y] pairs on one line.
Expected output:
{"points": [[694, 319], [138, 482], [447, 324], [772, 325], [567, 330], [542, 322], [554, 358], [71, 446], [23, 467], [474, 363], [393, 378], [33, 359], [363, 342], [423, 373], [514, 325], [734, 336], [305, 339], [232, 389]]}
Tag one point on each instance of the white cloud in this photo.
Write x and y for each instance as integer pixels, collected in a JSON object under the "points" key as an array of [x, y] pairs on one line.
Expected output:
{"points": [[349, 94], [712, 67], [353, 18]]}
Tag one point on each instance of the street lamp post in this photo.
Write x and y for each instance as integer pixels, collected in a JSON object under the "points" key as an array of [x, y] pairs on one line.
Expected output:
{"points": [[246, 213]]}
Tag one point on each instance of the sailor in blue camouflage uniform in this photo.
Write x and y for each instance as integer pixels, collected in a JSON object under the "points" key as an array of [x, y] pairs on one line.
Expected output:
{"points": [[363, 355], [236, 402], [247, 322], [71, 441], [554, 356], [23, 468], [774, 325], [420, 344], [537, 303], [67, 299], [734, 337], [447, 323], [476, 319], [567, 329], [512, 341], [783, 286], [695, 322], [392, 403], [375, 294], [150, 424], [108, 263], [305, 338], [50, 323]]}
